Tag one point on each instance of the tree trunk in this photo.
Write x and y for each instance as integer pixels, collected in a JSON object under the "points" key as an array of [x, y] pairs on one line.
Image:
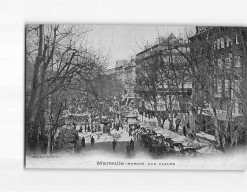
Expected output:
{"points": [[159, 120], [216, 127], [34, 91], [201, 121], [49, 147], [171, 114]]}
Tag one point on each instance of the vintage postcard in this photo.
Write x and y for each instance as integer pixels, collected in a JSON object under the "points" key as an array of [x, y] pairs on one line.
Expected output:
{"points": [[135, 97]]}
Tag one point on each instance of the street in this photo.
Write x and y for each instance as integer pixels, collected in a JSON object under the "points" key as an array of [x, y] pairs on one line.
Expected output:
{"points": [[179, 95]]}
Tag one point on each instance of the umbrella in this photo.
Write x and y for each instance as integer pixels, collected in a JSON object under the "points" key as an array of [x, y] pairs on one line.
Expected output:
{"points": [[105, 122], [180, 139], [157, 129]]}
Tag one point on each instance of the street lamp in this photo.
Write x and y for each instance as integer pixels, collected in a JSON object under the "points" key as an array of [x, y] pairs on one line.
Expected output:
{"points": [[142, 108], [90, 117]]}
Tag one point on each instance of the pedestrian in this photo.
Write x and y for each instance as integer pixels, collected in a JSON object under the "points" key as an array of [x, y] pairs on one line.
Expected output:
{"points": [[92, 141], [114, 143], [83, 142], [131, 144], [178, 121], [204, 126], [184, 131], [130, 131], [128, 149], [76, 137], [75, 141], [134, 136]]}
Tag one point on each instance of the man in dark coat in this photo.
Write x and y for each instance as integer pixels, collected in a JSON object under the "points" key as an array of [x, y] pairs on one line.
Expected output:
{"points": [[184, 131], [130, 132], [83, 142], [92, 141], [178, 121], [114, 143], [132, 144]]}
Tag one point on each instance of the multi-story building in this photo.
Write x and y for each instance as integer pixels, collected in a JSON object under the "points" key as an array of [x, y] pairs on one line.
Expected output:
{"points": [[219, 55], [125, 71], [111, 84], [163, 71], [219, 50], [120, 66]]}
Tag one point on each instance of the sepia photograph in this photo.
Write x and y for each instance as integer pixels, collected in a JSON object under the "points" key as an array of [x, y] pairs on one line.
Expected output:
{"points": [[135, 97]]}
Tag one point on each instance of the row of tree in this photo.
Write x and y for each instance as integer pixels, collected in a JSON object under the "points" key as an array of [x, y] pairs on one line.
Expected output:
{"points": [[163, 78], [61, 68], [173, 64]]}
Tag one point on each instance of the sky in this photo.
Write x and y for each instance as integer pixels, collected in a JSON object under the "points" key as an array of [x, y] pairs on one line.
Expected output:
{"points": [[123, 41]]}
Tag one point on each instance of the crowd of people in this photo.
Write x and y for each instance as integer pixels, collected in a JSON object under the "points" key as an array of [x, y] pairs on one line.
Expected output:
{"points": [[162, 145], [129, 147], [178, 120], [146, 137]]}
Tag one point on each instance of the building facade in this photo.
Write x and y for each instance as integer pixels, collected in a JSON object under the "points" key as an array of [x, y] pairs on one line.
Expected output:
{"points": [[219, 54], [219, 69], [125, 71], [163, 71]]}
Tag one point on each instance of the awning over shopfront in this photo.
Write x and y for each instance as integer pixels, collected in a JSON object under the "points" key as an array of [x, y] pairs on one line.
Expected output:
{"points": [[221, 114], [133, 120]]}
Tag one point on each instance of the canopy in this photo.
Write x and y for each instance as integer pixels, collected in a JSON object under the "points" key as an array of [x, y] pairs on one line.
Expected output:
{"points": [[132, 121], [105, 122], [131, 116], [180, 138], [206, 136]]}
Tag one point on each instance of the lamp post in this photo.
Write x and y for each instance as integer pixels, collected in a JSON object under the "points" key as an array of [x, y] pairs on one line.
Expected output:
{"points": [[90, 117], [142, 108]]}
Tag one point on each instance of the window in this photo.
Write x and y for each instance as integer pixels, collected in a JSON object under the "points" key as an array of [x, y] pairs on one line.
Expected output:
{"points": [[219, 86], [215, 45], [237, 39], [218, 43], [222, 43], [240, 108], [228, 62], [237, 86], [228, 42], [220, 63], [237, 61], [215, 84], [227, 86]]}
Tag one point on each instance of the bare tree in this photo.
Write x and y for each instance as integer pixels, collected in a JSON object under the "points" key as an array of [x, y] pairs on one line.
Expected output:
{"points": [[162, 76], [56, 58], [216, 77]]}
